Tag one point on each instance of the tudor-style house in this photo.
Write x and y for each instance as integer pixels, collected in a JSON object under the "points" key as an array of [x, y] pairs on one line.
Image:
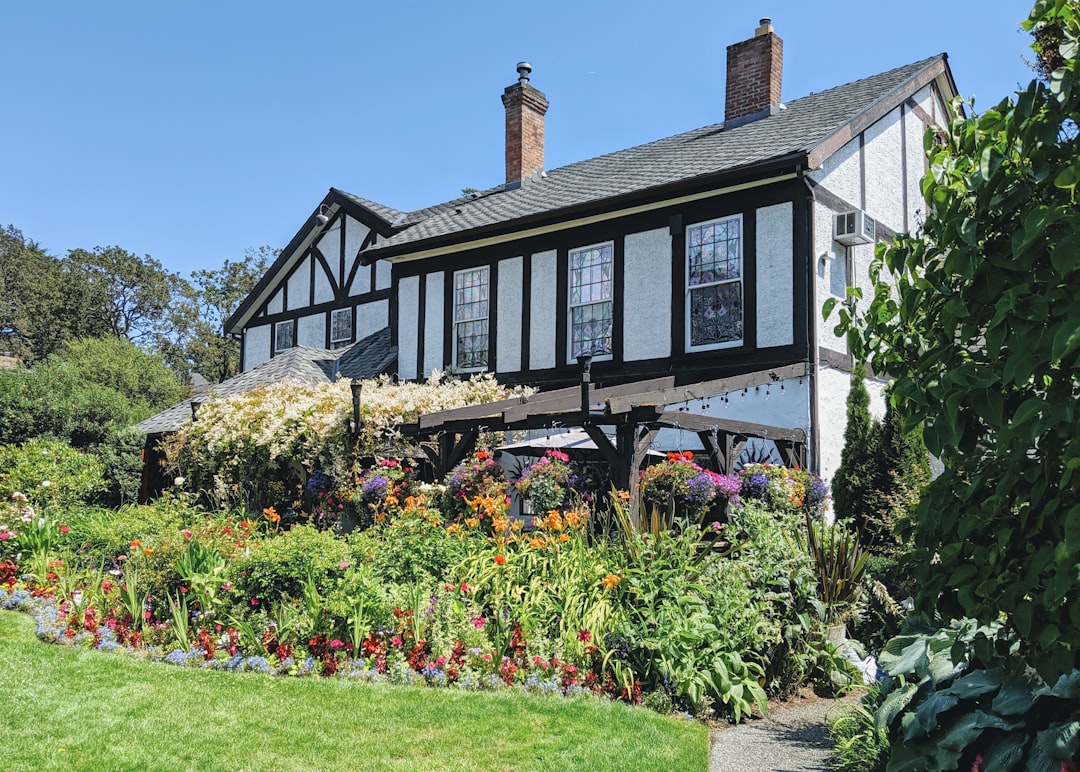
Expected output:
{"points": [[700, 256]]}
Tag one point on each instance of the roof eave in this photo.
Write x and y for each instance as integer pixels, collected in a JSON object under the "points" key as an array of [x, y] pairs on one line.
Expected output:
{"points": [[763, 170], [937, 70]]}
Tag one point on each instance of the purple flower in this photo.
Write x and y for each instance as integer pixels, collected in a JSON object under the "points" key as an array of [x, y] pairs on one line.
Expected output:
{"points": [[375, 487]]}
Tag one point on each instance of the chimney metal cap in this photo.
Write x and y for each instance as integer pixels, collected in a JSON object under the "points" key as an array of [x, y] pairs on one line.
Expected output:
{"points": [[523, 70]]}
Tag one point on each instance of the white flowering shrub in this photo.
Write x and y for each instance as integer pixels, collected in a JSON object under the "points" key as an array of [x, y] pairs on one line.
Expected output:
{"points": [[267, 438]]}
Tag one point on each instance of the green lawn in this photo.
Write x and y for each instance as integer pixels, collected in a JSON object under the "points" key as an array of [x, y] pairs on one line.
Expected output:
{"points": [[64, 708]]}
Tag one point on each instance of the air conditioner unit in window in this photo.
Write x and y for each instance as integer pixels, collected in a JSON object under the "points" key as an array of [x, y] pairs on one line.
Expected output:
{"points": [[854, 228]]}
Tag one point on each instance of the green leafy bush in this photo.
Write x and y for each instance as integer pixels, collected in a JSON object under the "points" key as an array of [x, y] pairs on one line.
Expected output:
{"points": [[961, 697], [50, 473], [277, 566]]}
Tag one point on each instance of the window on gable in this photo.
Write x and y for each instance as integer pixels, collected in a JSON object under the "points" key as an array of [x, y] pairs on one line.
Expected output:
{"points": [[714, 285], [284, 335], [471, 319], [590, 303], [341, 333]]}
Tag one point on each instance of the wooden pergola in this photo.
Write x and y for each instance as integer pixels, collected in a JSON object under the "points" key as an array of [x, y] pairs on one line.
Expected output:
{"points": [[637, 411]]}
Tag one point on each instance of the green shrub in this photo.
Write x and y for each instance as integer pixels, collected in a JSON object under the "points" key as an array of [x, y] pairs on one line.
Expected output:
{"points": [[858, 744], [278, 565], [107, 533], [408, 553], [121, 454], [50, 473]]}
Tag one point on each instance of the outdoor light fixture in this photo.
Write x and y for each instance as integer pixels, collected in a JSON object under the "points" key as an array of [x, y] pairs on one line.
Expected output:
{"points": [[585, 361], [355, 387], [195, 405], [323, 217]]}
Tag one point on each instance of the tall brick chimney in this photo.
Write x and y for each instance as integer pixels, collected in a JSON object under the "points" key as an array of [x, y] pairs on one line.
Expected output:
{"points": [[525, 109], [755, 68]]}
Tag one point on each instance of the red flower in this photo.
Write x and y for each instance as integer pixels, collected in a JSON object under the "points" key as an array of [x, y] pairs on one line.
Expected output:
{"points": [[64, 528], [254, 601], [500, 560], [584, 636], [464, 587]]}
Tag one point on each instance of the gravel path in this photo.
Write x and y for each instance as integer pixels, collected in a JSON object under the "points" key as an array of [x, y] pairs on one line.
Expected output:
{"points": [[792, 738]]}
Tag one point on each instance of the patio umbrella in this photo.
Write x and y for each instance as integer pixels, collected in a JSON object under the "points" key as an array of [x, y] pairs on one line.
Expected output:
{"points": [[576, 444]]}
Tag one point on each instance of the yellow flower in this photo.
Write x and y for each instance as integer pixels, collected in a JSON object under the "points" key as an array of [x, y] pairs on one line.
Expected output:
{"points": [[610, 581], [536, 542], [472, 522], [564, 537], [452, 528]]}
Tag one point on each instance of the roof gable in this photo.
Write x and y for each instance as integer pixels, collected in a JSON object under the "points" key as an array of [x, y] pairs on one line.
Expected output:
{"points": [[379, 218]]}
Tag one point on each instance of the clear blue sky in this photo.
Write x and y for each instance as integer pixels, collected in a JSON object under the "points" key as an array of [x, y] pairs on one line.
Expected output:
{"points": [[193, 130]]}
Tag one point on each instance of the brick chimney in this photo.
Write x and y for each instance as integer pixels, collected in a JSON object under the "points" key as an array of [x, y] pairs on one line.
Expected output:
{"points": [[525, 109], [755, 68]]}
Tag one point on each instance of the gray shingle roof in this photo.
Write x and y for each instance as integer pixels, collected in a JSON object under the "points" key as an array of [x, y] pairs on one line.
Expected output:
{"points": [[366, 358], [710, 150]]}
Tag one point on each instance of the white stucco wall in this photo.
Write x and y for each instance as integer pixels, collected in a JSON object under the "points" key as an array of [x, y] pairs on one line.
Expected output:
{"points": [[884, 172], [299, 286], [841, 172], [408, 322], [274, 305], [433, 323], [647, 295], [355, 233], [361, 282], [775, 277], [830, 272], [916, 158], [330, 246], [542, 315], [382, 275], [508, 321], [371, 317], [833, 386], [311, 330], [324, 291], [256, 345]]}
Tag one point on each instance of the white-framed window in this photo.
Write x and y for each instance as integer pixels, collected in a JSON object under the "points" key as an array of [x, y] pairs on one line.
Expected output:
{"points": [[590, 303], [284, 335], [471, 319], [341, 333], [714, 284]]}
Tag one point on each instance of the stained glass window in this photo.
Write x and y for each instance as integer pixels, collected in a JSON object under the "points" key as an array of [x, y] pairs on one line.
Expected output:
{"points": [[284, 335], [471, 319], [590, 300], [714, 284], [340, 327]]}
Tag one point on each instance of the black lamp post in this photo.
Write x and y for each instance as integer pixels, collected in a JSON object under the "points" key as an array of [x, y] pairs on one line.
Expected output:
{"points": [[355, 387], [195, 405], [585, 361]]}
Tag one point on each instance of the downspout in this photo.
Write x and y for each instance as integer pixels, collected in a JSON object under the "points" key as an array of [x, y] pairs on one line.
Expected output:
{"points": [[814, 449]]}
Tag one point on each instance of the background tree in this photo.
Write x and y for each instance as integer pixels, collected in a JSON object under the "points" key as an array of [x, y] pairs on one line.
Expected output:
{"points": [[131, 294], [854, 478], [978, 321], [43, 304], [201, 345]]}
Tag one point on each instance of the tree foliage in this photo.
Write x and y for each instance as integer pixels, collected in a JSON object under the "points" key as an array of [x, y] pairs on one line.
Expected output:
{"points": [[978, 321], [43, 303], [200, 344]]}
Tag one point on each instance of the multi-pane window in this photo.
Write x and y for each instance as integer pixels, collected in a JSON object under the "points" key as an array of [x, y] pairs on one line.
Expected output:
{"points": [[284, 335], [590, 300], [340, 327], [471, 319], [714, 284]]}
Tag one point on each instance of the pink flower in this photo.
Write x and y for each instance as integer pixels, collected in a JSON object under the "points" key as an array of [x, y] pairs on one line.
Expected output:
{"points": [[5, 535], [479, 622], [64, 528], [343, 565], [254, 601], [336, 644], [396, 640], [226, 586], [440, 661], [584, 635], [186, 532], [487, 658]]}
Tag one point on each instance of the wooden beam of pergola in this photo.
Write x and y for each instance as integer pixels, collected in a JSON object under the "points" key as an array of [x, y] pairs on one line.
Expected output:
{"points": [[674, 395]]}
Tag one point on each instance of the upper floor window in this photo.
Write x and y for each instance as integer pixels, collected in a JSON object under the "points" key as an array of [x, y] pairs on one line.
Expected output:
{"points": [[284, 335], [590, 300], [714, 284], [471, 319], [341, 333]]}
